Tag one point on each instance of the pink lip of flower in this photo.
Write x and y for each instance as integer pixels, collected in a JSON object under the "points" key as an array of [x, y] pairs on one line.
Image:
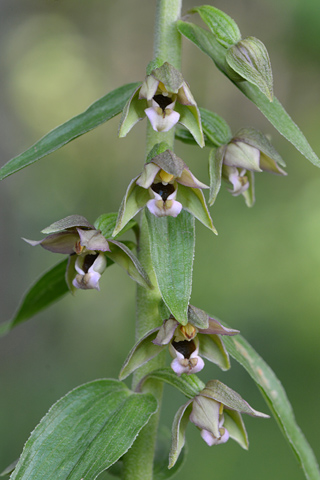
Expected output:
{"points": [[181, 364], [162, 120], [162, 208], [88, 276]]}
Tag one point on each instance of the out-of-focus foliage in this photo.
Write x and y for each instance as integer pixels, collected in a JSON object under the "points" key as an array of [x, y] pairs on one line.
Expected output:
{"points": [[260, 275]]}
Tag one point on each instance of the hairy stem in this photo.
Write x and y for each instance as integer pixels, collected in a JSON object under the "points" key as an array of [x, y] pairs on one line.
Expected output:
{"points": [[138, 462]]}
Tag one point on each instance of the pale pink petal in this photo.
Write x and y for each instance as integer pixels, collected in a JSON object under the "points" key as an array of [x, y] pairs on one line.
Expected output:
{"points": [[163, 121]]}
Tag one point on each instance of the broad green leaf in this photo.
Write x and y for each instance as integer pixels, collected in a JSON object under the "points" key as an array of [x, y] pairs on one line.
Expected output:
{"points": [[172, 243], [273, 111], [123, 256], [99, 112], [107, 222], [189, 385], [47, 290], [85, 432], [277, 400], [221, 25], [160, 465]]}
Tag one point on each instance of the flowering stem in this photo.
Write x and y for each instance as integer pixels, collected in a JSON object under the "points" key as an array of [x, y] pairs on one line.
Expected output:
{"points": [[138, 462]]}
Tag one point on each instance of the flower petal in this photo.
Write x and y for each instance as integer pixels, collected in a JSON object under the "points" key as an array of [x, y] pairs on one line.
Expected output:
{"points": [[162, 122]]}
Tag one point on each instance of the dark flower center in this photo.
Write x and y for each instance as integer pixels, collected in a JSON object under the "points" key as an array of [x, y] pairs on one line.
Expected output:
{"points": [[88, 261], [184, 347], [162, 101], [163, 190]]}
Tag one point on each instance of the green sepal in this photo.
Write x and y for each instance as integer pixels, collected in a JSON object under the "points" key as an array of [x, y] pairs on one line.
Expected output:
{"points": [[123, 256], [221, 25], [153, 64], [249, 195], [160, 466], [85, 432], [273, 111], [49, 288], [132, 113], [199, 318], [215, 172], [194, 202], [212, 348], [250, 59], [134, 200], [179, 426], [221, 393], [215, 127], [98, 113], [106, 224], [190, 118], [189, 385], [234, 424], [71, 221], [143, 351], [258, 140], [156, 150], [171, 78], [172, 243]]}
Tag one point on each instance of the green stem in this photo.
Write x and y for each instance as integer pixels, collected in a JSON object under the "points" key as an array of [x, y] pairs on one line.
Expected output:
{"points": [[138, 462]]}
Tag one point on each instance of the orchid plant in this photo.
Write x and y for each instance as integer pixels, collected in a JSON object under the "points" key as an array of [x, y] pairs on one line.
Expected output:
{"points": [[104, 425]]}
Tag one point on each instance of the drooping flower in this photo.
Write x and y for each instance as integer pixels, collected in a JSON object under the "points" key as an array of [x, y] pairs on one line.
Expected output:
{"points": [[165, 186], [247, 152], [165, 98], [201, 337], [216, 411], [88, 250], [76, 237]]}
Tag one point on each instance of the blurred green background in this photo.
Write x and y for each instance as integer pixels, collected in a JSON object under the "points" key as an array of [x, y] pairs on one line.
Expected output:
{"points": [[260, 275]]}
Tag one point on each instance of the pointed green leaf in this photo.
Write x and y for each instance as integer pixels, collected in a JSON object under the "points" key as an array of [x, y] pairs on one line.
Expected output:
{"points": [[85, 432], [221, 25], [9, 469], [277, 400], [194, 202], [273, 111], [123, 256], [107, 222], [99, 112], [250, 59], [48, 289], [189, 385], [172, 243], [140, 354], [215, 172]]}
